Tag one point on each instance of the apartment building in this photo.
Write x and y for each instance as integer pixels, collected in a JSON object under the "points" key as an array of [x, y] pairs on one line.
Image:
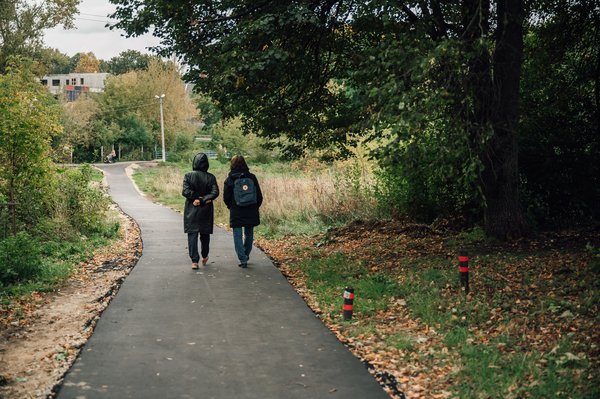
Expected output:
{"points": [[73, 84]]}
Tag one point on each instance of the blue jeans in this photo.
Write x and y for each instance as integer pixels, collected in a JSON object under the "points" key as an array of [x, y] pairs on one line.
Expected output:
{"points": [[243, 246]]}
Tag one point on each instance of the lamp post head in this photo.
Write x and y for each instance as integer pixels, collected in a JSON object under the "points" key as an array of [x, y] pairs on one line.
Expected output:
{"points": [[161, 96]]}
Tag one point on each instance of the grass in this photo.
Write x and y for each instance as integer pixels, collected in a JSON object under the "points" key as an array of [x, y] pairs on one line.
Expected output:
{"points": [[296, 201], [401, 341], [327, 278], [57, 244], [489, 372], [59, 260], [490, 367]]}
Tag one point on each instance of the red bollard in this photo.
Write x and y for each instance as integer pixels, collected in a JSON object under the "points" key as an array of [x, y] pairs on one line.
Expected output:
{"points": [[348, 303], [463, 268]]}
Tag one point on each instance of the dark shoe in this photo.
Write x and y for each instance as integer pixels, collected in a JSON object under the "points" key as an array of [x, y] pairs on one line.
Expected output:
{"points": [[243, 265]]}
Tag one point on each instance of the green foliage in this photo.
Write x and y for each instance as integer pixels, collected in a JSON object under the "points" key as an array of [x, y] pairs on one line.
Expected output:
{"points": [[318, 75], [230, 139], [22, 25], [134, 131], [209, 111], [491, 372], [183, 142], [434, 84], [77, 204], [327, 277], [20, 259], [560, 142], [129, 112], [127, 61], [52, 61], [60, 257], [248, 72], [29, 117]]}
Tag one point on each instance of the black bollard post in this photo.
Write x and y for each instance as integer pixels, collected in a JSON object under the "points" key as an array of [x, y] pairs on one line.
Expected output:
{"points": [[463, 268], [348, 303]]}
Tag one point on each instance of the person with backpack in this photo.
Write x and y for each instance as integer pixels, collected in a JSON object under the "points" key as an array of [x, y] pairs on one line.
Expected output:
{"points": [[243, 197], [200, 190]]}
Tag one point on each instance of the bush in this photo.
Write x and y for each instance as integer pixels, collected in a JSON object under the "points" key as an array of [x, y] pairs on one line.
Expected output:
{"points": [[183, 142], [77, 203], [20, 259]]}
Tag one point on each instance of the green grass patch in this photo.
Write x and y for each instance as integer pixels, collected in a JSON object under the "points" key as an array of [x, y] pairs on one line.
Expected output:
{"points": [[456, 337], [490, 373], [57, 262], [271, 228], [499, 368], [96, 175], [327, 278], [401, 341], [362, 329]]}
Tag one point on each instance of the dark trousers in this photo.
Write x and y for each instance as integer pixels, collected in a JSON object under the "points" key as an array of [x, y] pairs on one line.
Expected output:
{"points": [[193, 245]]}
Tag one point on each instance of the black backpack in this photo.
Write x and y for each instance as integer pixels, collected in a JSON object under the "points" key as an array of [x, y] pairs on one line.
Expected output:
{"points": [[244, 191]]}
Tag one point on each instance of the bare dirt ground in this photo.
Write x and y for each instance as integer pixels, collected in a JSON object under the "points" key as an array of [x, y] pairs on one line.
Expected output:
{"points": [[38, 347]]}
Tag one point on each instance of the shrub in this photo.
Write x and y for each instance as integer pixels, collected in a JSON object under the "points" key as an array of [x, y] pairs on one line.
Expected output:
{"points": [[20, 259], [76, 202], [183, 142]]}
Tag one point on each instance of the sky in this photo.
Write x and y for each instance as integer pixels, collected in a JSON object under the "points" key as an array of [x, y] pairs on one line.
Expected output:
{"points": [[91, 35]]}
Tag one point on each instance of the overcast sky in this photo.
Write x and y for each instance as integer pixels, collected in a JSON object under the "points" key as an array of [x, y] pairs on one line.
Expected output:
{"points": [[91, 35]]}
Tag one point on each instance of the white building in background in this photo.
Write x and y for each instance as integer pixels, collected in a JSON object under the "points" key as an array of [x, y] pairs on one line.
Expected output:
{"points": [[75, 83]]}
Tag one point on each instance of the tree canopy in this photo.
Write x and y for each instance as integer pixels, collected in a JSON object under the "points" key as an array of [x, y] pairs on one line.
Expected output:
{"points": [[22, 23], [127, 113], [127, 61], [29, 117], [87, 63], [435, 84]]}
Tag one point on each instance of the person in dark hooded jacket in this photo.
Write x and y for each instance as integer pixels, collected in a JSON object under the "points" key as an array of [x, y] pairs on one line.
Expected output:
{"points": [[242, 217], [200, 190]]}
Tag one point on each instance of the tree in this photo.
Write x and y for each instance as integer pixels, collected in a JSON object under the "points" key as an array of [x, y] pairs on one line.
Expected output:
{"points": [[87, 63], [440, 81], [79, 131], [29, 118], [73, 62], [211, 115], [22, 23], [127, 61], [129, 109], [559, 148], [53, 61]]}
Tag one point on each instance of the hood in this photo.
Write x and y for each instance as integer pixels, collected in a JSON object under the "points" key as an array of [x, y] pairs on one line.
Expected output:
{"points": [[200, 162]]}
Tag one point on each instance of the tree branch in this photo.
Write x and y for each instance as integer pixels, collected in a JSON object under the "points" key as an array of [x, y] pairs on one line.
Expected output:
{"points": [[234, 17]]}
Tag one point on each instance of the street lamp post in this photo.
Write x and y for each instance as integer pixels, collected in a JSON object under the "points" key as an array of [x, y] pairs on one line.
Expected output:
{"points": [[162, 127]]}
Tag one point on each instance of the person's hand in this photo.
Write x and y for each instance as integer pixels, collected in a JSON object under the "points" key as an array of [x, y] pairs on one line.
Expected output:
{"points": [[196, 202]]}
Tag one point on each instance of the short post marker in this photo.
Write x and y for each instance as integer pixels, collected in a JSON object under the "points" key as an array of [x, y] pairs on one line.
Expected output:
{"points": [[463, 268], [348, 302]]}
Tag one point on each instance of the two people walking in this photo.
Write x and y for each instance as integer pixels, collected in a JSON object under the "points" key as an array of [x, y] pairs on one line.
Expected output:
{"points": [[242, 196]]}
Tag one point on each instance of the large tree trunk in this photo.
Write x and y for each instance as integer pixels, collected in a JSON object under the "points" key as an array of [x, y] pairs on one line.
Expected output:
{"points": [[503, 217]]}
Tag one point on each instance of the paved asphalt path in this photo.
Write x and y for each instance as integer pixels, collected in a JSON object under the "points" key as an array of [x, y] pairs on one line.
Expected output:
{"points": [[221, 332]]}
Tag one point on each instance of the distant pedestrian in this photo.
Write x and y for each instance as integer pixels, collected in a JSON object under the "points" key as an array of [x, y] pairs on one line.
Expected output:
{"points": [[110, 158], [243, 197], [200, 190]]}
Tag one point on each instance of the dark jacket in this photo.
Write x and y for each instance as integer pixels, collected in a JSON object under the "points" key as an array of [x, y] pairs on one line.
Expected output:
{"points": [[240, 216], [199, 184]]}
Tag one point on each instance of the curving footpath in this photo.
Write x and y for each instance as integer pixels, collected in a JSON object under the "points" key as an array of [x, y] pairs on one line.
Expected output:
{"points": [[220, 332]]}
